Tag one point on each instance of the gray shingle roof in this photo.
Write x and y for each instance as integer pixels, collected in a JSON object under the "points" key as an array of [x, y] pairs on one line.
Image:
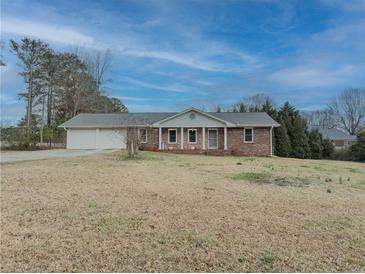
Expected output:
{"points": [[113, 120], [246, 118], [334, 133]]}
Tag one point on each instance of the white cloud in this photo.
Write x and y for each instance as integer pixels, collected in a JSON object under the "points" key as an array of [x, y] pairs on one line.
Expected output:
{"points": [[132, 43], [312, 76], [8, 99], [55, 33], [131, 98], [343, 34], [348, 5], [174, 57], [169, 88]]}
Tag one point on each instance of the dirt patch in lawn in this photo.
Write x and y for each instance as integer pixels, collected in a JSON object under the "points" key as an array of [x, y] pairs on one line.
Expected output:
{"points": [[182, 213], [269, 178]]}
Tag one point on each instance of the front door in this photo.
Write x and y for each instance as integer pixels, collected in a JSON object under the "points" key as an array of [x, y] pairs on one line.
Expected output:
{"points": [[213, 138]]}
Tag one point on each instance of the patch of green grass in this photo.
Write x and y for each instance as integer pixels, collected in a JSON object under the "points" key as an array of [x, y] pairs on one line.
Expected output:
{"points": [[251, 176], [358, 185], [269, 166], [342, 222], [266, 262], [319, 168], [247, 159], [241, 259], [267, 178], [141, 155], [93, 205], [334, 223], [193, 239], [356, 261], [119, 223], [353, 170]]}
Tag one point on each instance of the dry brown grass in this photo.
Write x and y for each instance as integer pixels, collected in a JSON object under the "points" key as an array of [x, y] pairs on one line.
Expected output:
{"points": [[182, 213]]}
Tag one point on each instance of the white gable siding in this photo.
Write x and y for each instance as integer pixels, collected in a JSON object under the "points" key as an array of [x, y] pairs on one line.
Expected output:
{"points": [[200, 120]]}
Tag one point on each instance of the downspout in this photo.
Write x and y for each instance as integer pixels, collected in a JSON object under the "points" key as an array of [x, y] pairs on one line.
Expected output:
{"points": [[271, 141]]}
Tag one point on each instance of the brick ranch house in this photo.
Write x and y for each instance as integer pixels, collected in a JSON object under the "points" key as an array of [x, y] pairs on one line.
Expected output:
{"points": [[189, 131], [339, 138]]}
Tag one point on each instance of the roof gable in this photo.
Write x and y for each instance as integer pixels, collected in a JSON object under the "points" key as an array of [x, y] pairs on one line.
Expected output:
{"points": [[192, 118]]}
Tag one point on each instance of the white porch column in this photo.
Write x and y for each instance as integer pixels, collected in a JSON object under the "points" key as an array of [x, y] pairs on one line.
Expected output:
{"points": [[159, 138], [203, 130], [225, 138], [182, 138]]}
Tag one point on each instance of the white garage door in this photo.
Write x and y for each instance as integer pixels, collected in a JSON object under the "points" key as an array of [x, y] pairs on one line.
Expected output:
{"points": [[111, 138], [96, 138]]}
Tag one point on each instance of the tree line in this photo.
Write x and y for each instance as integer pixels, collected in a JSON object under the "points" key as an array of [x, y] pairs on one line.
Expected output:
{"points": [[60, 85], [295, 137]]}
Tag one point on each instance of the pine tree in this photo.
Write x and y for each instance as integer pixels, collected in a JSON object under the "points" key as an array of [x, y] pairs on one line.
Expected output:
{"points": [[358, 149], [286, 114], [299, 139], [30, 52], [315, 142], [282, 142], [327, 148], [269, 109], [297, 131]]}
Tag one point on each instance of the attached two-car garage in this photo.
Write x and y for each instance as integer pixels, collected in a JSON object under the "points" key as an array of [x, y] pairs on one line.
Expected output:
{"points": [[96, 138]]}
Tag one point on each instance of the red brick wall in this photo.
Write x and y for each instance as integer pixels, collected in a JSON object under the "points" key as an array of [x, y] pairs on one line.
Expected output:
{"points": [[339, 143], [260, 146], [152, 139], [236, 145]]}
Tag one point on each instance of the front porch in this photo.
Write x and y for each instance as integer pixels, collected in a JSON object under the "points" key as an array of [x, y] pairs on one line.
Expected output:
{"points": [[193, 139]]}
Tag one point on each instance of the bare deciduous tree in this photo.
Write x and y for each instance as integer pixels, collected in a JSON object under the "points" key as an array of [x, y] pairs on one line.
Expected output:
{"points": [[98, 64], [322, 118], [348, 109], [255, 102], [252, 103], [133, 141], [217, 108]]}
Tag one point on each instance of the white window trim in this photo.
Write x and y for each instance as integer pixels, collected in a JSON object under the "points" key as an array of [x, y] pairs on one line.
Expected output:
{"points": [[213, 129], [168, 136], [139, 132], [196, 136], [244, 136]]}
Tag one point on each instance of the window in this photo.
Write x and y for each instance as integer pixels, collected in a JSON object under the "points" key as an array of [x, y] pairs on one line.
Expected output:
{"points": [[143, 135], [172, 136], [192, 136], [248, 135]]}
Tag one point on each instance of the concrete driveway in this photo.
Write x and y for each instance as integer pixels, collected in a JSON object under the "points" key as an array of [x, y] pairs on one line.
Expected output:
{"points": [[14, 156]]}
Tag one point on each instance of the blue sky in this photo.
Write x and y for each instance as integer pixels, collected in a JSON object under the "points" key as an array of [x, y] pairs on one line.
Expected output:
{"points": [[170, 55]]}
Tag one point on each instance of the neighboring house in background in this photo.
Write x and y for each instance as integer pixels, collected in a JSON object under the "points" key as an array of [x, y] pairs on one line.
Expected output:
{"points": [[189, 131], [339, 138]]}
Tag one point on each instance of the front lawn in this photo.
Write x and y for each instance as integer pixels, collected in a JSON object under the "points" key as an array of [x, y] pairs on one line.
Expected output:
{"points": [[163, 212]]}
